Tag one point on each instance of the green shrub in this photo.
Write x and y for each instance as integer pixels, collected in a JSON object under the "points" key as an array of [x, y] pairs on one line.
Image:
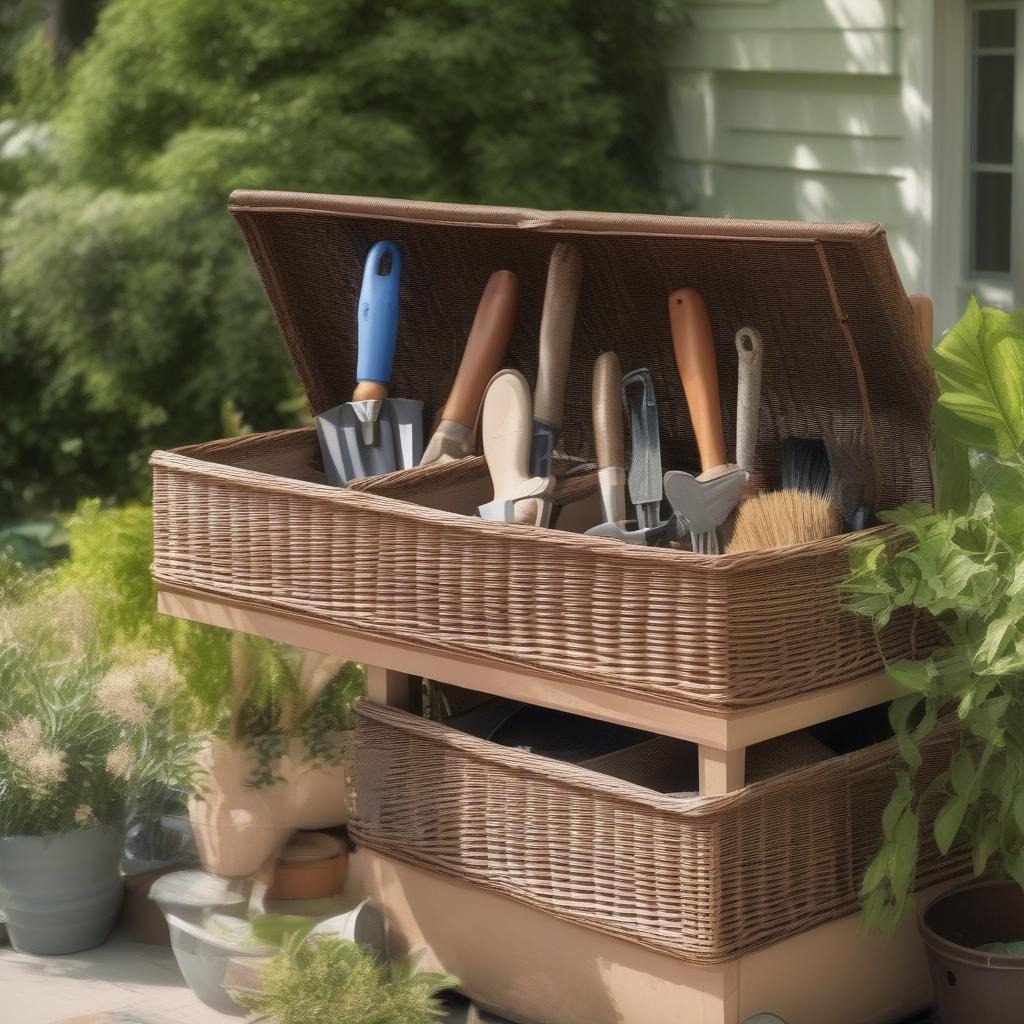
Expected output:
{"points": [[87, 734], [235, 686], [963, 564], [327, 979], [130, 312]]}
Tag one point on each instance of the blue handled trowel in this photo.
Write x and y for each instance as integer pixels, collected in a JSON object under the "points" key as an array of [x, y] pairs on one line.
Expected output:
{"points": [[373, 433]]}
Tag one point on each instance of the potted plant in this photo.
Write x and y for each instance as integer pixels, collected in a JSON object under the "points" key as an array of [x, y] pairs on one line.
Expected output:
{"points": [[273, 720], [963, 564], [85, 740], [276, 755], [322, 978]]}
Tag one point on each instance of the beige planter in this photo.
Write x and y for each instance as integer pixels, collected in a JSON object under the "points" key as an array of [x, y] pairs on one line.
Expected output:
{"points": [[237, 829]]}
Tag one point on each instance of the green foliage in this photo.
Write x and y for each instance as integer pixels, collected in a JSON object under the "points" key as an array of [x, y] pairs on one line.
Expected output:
{"points": [[33, 543], [328, 979], [18, 21], [964, 565], [130, 311], [86, 732], [244, 688]]}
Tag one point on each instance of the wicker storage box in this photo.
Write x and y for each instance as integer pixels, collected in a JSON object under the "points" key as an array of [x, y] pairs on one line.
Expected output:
{"points": [[705, 879], [251, 520]]}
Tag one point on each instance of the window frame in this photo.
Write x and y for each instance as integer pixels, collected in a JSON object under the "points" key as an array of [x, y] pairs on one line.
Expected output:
{"points": [[992, 287]]}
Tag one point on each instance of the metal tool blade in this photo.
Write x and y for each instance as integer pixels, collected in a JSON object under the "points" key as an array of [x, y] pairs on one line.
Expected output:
{"points": [[704, 502], [645, 484], [398, 444]]}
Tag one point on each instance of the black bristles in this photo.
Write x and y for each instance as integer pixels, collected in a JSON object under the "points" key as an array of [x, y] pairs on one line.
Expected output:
{"points": [[805, 466]]}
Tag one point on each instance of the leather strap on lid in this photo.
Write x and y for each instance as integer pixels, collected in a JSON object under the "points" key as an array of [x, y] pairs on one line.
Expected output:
{"points": [[871, 485]]}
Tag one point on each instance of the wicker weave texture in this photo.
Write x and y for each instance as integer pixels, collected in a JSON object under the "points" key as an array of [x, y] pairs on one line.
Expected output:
{"points": [[706, 879], [729, 632], [250, 518], [800, 285]]}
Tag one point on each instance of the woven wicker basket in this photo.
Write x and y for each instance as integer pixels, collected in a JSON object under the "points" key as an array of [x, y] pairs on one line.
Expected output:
{"points": [[705, 879], [250, 519]]}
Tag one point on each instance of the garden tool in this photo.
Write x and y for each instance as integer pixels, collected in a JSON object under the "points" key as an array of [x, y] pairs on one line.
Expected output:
{"points": [[750, 353], [607, 396], [703, 502], [481, 359], [556, 327], [606, 409], [373, 433], [802, 510], [505, 427]]}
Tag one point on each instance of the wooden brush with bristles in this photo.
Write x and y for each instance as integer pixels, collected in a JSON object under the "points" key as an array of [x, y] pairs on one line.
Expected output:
{"points": [[804, 510], [777, 519]]}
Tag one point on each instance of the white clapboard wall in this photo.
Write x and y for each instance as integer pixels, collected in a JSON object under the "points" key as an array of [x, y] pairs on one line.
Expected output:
{"points": [[807, 110]]}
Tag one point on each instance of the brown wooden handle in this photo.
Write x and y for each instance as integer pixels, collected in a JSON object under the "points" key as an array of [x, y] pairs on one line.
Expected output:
{"points": [[369, 391], [485, 347], [556, 326], [924, 315], [606, 404], [694, 345]]}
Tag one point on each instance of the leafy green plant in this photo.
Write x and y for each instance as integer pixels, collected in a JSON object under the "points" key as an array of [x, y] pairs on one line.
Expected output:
{"points": [[328, 979], [129, 310], [964, 565], [242, 688], [35, 543], [86, 734]]}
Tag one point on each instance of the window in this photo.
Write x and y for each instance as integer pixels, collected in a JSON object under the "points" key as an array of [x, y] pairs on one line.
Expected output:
{"points": [[991, 185]]}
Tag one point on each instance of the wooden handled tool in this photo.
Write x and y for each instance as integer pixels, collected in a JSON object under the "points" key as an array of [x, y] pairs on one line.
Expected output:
{"points": [[750, 352], [505, 429], [704, 502], [481, 359], [694, 345], [556, 327], [606, 405]]}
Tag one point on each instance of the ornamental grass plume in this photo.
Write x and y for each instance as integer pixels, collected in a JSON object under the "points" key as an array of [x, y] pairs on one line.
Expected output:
{"points": [[36, 766], [85, 740], [120, 762], [118, 694]]}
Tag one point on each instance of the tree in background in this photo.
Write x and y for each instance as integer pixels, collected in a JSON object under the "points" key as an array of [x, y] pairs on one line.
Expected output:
{"points": [[130, 318]]}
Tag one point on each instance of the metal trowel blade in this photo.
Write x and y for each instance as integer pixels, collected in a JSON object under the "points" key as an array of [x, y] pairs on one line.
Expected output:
{"points": [[398, 439]]}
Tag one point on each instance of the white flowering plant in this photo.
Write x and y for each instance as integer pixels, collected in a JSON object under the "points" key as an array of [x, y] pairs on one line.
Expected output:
{"points": [[87, 732]]}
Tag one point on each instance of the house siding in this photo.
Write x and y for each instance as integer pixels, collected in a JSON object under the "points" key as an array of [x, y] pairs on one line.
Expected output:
{"points": [[807, 110]]}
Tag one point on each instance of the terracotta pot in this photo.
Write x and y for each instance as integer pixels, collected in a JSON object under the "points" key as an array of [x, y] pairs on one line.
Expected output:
{"points": [[237, 829], [61, 894], [311, 866]]}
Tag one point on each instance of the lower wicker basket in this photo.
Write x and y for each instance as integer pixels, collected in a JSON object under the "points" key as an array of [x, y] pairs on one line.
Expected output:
{"points": [[706, 879]]}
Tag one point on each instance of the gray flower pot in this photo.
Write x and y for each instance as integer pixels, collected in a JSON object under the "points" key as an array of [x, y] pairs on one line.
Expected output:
{"points": [[60, 894]]}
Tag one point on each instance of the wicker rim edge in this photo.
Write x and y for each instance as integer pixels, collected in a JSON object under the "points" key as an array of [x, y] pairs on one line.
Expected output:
{"points": [[364, 501], [466, 215], [607, 786]]}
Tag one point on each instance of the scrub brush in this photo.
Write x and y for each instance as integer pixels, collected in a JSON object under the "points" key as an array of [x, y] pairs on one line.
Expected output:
{"points": [[803, 510]]}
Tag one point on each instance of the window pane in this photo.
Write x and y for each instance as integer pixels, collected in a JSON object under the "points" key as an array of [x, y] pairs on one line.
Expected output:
{"points": [[992, 190], [993, 105], [996, 28]]}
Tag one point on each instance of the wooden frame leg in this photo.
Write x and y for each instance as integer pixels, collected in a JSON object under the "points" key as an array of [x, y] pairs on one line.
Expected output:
{"points": [[721, 771], [383, 686], [722, 996]]}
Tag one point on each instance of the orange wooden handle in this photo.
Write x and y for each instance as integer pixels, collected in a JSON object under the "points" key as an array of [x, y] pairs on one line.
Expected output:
{"points": [[694, 345], [485, 347]]}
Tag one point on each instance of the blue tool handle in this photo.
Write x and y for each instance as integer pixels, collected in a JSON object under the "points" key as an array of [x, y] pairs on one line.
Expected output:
{"points": [[378, 314]]}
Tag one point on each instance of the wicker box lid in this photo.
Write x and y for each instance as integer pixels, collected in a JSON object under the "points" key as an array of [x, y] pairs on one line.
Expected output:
{"points": [[842, 357]]}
